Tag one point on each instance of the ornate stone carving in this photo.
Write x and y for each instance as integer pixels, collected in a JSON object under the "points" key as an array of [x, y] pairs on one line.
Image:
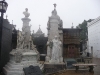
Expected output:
{"points": [[54, 27], [26, 54], [20, 40], [54, 51], [18, 57]]}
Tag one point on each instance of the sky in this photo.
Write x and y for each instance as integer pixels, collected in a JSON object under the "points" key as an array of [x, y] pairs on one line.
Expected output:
{"points": [[70, 11]]}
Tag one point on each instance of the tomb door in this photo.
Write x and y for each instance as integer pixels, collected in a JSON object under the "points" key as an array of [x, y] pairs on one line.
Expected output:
{"points": [[71, 51]]}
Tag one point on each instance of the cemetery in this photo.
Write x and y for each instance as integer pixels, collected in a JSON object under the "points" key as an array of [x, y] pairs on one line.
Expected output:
{"points": [[23, 53]]}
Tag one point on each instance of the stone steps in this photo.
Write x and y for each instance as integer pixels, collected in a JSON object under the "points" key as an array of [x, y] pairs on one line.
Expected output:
{"points": [[14, 65], [10, 72]]}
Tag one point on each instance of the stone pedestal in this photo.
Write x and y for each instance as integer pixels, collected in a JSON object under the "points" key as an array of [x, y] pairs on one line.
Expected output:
{"points": [[51, 68], [20, 59]]}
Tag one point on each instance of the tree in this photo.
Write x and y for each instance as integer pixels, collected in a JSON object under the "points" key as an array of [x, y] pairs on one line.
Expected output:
{"points": [[84, 32]]}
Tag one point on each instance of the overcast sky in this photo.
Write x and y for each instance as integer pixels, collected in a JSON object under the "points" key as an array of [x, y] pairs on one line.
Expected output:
{"points": [[75, 11]]}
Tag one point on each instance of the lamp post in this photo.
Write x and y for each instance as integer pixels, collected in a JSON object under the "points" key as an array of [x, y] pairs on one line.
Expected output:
{"points": [[3, 8]]}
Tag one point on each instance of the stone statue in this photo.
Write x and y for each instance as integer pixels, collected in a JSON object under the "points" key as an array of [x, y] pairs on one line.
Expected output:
{"points": [[20, 40], [26, 30], [49, 50], [56, 55], [26, 13]]}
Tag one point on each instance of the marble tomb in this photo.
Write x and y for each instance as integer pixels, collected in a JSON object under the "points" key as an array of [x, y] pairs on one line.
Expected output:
{"points": [[25, 54]]}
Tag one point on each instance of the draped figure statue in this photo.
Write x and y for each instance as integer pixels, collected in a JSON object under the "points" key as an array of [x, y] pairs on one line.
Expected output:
{"points": [[56, 54]]}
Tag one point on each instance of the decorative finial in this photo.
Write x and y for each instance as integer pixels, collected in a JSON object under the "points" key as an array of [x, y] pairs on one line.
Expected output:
{"points": [[54, 12], [12, 21], [39, 26], [33, 31], [55, 5], [72, 25], [6, 16]]}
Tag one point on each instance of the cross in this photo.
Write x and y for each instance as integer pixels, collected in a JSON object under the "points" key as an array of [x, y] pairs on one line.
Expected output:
{"points": [[55, 5]]}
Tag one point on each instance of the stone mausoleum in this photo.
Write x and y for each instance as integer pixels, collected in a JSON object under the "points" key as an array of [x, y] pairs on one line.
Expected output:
{"points": [[94, 37]]}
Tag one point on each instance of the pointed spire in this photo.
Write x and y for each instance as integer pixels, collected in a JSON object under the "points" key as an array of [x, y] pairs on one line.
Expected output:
{"points": [[39, 30], [39, 26]]}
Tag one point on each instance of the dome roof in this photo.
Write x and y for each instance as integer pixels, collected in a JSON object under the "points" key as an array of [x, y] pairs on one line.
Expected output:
{"points": [[39, 31]]}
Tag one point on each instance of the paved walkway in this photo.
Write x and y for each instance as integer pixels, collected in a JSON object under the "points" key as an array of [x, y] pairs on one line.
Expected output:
{"points": [[97, 69], [84, 72]]}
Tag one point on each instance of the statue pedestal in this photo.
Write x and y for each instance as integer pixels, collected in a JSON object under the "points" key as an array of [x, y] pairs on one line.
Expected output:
{"points": [[51, 67], [20, 59]]}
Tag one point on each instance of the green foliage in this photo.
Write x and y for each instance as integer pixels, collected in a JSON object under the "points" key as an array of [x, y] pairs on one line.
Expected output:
{"points": [[84, 32]]}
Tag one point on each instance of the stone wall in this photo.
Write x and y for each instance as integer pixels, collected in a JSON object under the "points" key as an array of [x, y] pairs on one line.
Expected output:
{"points": [[94, 37], [6, 43]]}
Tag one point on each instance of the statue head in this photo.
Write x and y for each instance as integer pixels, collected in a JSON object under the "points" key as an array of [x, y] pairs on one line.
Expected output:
{"points": [[26, 9]]}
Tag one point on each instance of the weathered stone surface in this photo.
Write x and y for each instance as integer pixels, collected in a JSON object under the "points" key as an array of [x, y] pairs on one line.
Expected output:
{"points": [[54, 27], [56, 55], [20, 60], [25, 54]]}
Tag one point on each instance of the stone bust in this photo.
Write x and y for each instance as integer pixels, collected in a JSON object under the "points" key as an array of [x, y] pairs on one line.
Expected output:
{"points": [[26, 13]]}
